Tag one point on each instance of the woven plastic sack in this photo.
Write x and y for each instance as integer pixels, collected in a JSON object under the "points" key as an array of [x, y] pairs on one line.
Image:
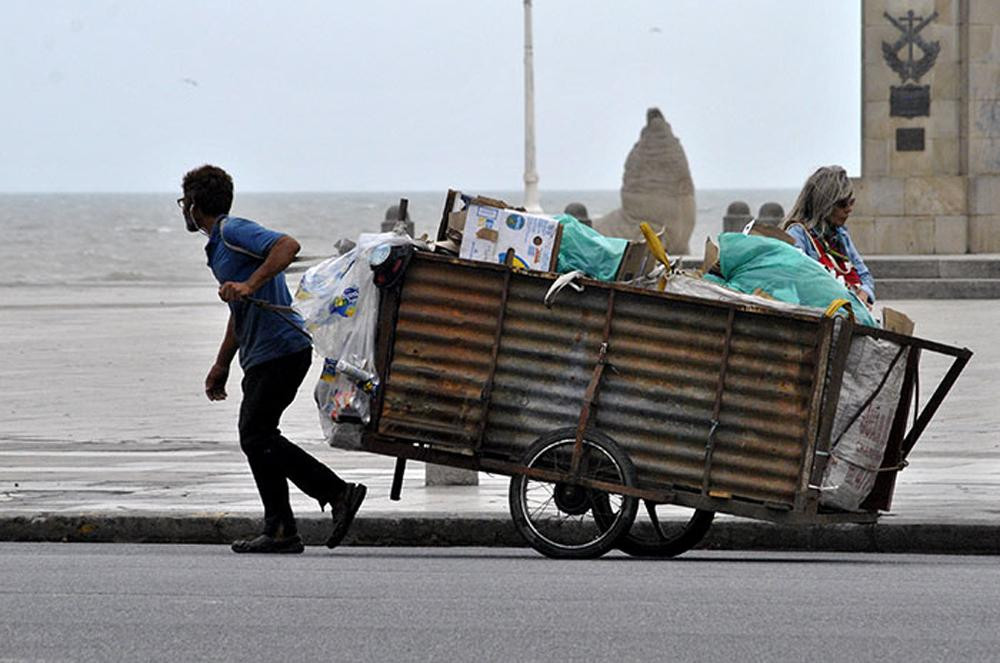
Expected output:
{"points": [[750, 262], [869, 394], [583, 248]]}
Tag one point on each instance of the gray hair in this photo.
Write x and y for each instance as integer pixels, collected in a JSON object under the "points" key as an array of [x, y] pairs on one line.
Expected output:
{"points": [[819, 194]]}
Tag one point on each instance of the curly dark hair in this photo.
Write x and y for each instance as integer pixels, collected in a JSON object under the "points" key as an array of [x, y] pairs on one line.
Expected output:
{"points": [[209, 188]]}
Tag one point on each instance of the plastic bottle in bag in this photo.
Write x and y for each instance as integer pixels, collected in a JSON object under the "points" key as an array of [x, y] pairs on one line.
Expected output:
{"points": [[366, 380]]}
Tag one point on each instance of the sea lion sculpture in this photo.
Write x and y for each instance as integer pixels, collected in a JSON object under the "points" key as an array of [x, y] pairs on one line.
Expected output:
{"points": [[656, 188]]}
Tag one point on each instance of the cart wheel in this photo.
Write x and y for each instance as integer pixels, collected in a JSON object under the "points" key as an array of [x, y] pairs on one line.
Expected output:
{"points": [[665, 530], [567, 521]]}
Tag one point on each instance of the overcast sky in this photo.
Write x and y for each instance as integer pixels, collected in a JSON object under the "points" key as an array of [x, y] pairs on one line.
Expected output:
{"points": [[421, 95]]}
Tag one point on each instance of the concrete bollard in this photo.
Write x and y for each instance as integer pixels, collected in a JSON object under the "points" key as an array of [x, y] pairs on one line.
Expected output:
{"points": [[771, 214], [392, 218], [737, 216], [443, 475], [579, 211]]}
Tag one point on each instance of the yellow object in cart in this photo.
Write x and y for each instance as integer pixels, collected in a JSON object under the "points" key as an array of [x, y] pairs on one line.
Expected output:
{"points": [[656, 248]]}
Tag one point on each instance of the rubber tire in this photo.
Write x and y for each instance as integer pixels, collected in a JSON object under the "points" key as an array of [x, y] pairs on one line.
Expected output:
{"points": [[686, 538], [607, 540]]}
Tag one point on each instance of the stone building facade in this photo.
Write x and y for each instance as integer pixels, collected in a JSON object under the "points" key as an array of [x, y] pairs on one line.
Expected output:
{"points": [[930, 173]]}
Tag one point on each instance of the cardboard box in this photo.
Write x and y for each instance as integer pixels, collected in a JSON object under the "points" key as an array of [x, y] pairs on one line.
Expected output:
{"points": [[711, 259], [453, 220], [456, 223], [489, 232], [897, 321], [771, 231], [636, 261]]}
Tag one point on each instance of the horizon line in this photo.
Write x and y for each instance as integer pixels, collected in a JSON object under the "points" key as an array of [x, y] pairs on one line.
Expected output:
{"points": [[361, 191]]}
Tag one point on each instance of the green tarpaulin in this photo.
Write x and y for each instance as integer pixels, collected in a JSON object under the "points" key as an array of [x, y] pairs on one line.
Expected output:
{"points": [[749, 262], [587, 250]]}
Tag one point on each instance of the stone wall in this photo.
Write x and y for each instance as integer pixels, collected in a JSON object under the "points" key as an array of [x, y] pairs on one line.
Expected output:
{"points": [[930, 178], [982, 119]]}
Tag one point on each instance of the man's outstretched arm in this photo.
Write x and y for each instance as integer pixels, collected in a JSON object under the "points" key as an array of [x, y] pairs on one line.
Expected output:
{"points": [[280, 256]]}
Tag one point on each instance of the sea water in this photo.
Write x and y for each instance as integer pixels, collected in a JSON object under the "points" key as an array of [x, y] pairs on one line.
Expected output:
{"points": [[109, 318], [103, 238]]}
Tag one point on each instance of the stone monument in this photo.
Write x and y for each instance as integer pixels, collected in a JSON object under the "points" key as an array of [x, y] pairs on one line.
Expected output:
{"points": [[656, 188], [930, 167]]}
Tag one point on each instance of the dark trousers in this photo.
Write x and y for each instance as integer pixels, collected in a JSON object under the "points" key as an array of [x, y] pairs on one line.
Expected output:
{"points": [[269, 388]]}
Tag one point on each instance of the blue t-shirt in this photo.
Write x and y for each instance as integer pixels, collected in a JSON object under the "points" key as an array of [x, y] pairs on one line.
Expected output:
{"points": [[262, 334]]}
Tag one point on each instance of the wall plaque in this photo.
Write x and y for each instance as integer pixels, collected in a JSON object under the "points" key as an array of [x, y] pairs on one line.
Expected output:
{"points": [[910, 101], [910, 139]]}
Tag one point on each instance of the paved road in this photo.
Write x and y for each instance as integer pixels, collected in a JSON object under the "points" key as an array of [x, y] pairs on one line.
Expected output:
{"points": [[149, 602]]}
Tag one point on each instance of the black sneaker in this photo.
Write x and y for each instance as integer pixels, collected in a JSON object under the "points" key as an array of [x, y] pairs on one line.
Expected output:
{"points": [[344, 510], [265, 543]]}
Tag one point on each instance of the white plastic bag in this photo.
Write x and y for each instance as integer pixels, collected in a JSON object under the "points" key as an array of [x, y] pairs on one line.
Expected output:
{"points": [[339, 303], [856, 456], [340, 400], [333, 399]]}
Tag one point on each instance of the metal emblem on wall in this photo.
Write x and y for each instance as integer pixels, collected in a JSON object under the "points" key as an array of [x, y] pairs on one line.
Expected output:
{"points": [[910, 100]]}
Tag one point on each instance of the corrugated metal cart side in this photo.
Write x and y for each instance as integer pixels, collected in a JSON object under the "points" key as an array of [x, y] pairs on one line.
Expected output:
{"points": [[720, 406]]}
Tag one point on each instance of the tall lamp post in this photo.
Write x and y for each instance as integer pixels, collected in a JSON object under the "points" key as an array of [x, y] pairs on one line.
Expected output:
{"points": [[531, 199]]}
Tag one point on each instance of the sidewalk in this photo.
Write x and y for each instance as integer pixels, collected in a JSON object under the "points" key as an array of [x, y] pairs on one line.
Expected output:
{"points": [[135, 486], [175, 492]]}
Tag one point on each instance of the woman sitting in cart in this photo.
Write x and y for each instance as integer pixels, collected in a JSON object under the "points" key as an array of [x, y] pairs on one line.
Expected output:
{"points": [[817, 223]]}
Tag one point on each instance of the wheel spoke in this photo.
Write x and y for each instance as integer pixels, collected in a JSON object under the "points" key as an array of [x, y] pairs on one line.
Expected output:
{"points": [[543, 505], [564, 518]]}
